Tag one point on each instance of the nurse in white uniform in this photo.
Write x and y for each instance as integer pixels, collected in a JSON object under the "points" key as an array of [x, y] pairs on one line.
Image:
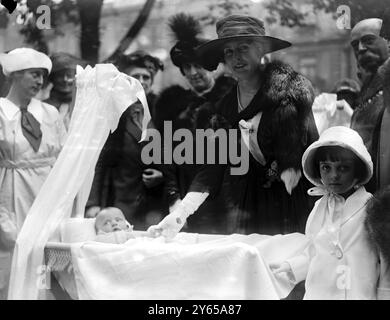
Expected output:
{"points": [[31, 137]]}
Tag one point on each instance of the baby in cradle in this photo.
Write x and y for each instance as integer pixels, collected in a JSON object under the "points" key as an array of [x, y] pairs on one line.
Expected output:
{"points": [[112, 227]]}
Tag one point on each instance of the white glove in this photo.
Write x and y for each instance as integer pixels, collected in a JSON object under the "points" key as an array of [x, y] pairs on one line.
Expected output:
{"points": [[174, 206], [280, 267], [290, 177], [284, 267], [171, 225]]}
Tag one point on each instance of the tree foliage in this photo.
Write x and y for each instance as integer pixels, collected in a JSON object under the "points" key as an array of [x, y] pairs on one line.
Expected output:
{"points": [[133, 30], [85, 13], [223, 8], [60, 12], [294, 13]]}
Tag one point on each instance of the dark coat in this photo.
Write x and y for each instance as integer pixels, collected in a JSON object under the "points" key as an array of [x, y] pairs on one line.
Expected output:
{"points": [[286, 129], [187, 110], [118, 177], [382, 102], [366, 120]]}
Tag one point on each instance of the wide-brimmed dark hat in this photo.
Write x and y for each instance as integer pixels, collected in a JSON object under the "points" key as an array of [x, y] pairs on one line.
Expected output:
{"points": [[236, 27], [142, 59], [185, 51], [62, 60]]}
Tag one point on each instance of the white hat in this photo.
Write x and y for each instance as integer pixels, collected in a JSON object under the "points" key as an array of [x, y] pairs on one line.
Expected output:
{"points": [[24, 58], [342, 137], [367, 26]]}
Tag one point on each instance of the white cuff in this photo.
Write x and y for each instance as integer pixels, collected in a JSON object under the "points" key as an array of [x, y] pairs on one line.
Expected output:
{"points": [[192, 202]]}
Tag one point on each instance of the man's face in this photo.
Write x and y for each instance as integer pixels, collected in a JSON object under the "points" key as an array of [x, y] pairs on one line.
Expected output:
{"points": [[29, 81], [63, 80], [143, 76], [370, 50], [199, 78]]}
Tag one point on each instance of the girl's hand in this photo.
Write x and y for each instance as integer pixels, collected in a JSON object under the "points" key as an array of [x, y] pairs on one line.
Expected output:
{"points": [[280, 267]]}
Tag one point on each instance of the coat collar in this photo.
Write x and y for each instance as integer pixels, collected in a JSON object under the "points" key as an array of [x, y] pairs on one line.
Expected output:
{"points": [[281, 86], [11, 110], [353, 204], [231, 109], [371, 88]]}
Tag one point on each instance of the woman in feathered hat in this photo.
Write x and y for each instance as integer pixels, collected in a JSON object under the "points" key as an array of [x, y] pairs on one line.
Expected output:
{"points": [[190, 109], [31, 137], [271, 106]]}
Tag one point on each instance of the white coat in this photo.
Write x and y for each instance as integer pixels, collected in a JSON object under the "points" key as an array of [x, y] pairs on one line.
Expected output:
{"points": [[348, 272], [22, 170]]}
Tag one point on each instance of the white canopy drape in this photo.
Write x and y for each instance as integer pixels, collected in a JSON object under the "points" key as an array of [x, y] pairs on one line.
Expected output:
{"points": [[103, 94]]}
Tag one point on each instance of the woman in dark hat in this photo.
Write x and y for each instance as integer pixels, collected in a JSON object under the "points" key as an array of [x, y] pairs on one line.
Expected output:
{"points": [[271, 106], [190, 109], [121, 179], [348, 90], [143, 67], [62, 77]]}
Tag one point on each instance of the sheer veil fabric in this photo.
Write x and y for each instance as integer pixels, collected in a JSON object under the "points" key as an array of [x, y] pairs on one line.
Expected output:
{"points": [[103, 94]]}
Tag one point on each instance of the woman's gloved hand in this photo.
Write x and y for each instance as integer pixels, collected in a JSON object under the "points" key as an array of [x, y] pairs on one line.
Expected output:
{"points": [[171, 225]]}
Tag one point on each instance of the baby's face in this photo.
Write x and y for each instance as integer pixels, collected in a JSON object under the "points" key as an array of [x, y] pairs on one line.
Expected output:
{"points": [[110, 220]]}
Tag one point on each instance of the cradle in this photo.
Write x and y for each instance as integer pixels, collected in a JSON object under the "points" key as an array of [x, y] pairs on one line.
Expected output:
{"points": [[58, 256], [194, 266]]}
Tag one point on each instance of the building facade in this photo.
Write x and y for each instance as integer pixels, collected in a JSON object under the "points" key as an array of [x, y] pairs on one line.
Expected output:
{"points": [[320, 51]]}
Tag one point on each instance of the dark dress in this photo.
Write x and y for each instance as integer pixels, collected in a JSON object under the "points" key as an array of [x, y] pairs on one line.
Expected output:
{"points": [[286, 129], [118, 178], [190, 111]]}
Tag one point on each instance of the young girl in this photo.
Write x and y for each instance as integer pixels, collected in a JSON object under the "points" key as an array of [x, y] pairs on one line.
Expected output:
{"points": [[340, 262]]}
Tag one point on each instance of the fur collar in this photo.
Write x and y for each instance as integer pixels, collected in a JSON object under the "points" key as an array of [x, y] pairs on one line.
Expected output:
{"points": [[284, 86]]}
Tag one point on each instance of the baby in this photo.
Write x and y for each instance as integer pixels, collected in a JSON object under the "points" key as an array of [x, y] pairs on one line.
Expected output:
{"points": [[112, 227]]}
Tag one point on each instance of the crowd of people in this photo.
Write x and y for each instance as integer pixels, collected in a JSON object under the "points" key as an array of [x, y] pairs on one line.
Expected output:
{"points": [[268, 103]]}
